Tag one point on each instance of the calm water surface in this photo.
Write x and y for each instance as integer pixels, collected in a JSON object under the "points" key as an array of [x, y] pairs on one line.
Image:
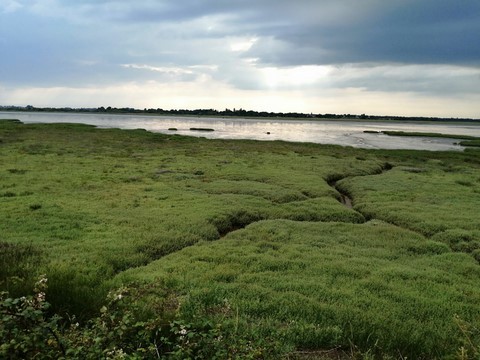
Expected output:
{"points": [[346, 133]]}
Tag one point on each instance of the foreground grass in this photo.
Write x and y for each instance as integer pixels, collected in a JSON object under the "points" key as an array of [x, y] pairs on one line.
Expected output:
{"points": [[328, 284], [95, 209]]}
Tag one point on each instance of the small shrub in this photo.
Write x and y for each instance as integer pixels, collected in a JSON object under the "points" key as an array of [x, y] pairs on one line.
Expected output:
{"points": [[25, 330], [35, 207], [120, 331]]}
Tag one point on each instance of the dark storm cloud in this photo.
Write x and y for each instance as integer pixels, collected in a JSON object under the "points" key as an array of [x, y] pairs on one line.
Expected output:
{"points": [[329, 32], [403, 31], [415, 46], [289, 32]]}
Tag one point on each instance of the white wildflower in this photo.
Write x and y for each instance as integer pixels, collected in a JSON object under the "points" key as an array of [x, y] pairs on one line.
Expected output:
{"points": [[41, 296]]}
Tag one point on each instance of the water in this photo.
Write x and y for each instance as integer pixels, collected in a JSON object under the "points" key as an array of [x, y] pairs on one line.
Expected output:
{"points": [[346, 133]]}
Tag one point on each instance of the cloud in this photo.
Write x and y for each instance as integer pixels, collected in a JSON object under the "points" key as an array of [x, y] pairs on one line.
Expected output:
{"points": [[171, 74], [417, 78], [163, 70], [316, 48], [303, 32], [395, 31], [10, 6]]}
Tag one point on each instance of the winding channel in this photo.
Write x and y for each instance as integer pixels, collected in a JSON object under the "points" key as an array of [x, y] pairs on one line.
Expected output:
{"points": [[345, 198]]}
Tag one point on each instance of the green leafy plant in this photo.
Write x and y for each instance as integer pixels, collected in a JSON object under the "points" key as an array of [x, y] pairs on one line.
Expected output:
{"points": [[121, 331], [26, 331]]}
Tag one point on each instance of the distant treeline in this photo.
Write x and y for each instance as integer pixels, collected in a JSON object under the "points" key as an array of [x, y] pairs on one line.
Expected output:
{"points": [[227, 112]]}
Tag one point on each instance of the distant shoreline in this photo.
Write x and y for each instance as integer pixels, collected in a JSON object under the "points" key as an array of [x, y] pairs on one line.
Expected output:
{"points": [[245, 114], [377, 119]]}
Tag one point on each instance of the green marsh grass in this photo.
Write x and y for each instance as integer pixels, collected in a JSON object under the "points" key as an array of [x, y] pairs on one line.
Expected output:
{"points": [[255, 225], [424, 134], [431, 199], [327, 284], [473, 143], [466, 139]]}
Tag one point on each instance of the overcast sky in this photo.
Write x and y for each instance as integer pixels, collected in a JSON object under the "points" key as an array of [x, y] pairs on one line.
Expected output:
{"points": [[395, 57]]}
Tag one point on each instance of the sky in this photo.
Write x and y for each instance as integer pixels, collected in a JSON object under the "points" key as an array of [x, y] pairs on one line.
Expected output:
{"points": [[377, 57]]}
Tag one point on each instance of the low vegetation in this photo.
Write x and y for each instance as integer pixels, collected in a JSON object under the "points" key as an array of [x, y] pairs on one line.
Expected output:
{"points": [[467, 140], [243, 245]]}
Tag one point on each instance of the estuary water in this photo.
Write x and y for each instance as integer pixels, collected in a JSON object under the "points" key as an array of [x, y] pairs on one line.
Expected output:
{"points": [[345, 133]]}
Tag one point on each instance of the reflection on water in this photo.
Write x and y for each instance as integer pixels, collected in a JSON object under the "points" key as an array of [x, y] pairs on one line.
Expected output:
{"points": [[347, 133]]}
